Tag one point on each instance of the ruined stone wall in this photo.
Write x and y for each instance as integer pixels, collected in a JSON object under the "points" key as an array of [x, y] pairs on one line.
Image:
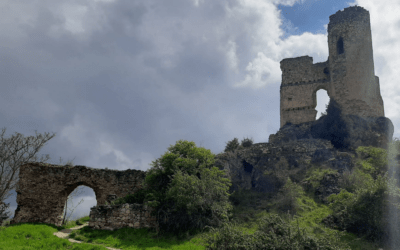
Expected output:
{"points": [[348, 74], [113, 217], [302, 70], [43, 189]]}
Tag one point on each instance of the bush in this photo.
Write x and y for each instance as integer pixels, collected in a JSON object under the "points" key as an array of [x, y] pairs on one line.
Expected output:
{"points": [[363, 213], [186, 190], [288, 196], [231, 146], [246, 142], [272, 233]]}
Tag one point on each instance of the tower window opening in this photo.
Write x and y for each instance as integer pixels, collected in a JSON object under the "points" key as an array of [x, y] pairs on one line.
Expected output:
{"points": [[340, 48], [289, 99]]}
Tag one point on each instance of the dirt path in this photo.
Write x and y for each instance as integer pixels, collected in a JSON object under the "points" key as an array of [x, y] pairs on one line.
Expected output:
{"points": [[65, 233]]}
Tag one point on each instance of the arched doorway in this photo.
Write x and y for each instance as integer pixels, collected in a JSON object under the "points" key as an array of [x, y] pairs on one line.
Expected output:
{"points": [[44, 189], [78, 204]]}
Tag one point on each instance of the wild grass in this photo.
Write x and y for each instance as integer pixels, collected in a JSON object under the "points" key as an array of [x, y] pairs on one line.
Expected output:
{"points": [[40, 236]]}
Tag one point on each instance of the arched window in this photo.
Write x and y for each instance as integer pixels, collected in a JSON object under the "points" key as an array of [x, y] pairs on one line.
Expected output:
{"points": [[322, 102], [340, 48]]}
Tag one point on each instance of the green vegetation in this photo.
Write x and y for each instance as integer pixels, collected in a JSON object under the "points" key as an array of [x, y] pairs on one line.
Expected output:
{"points": [[185, 187], [40, 236], [234, 144]]}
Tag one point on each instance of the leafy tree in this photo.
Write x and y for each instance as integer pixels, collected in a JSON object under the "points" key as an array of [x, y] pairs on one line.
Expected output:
{"points": [[288, 196], [234, 144], [246, 142], [363, 213], [186, 190]]}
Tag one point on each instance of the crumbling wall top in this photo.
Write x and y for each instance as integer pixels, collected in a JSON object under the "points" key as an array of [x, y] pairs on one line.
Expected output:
{"points": [[349, 15]]}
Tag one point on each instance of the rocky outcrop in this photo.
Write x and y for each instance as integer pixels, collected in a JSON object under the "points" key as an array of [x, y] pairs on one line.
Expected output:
{"points": [[264, 167], [370, 131], [328, 185]]}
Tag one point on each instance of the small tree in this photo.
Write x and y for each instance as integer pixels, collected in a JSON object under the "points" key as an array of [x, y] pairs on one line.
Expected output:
{"points": [[234, 144], [12, 151], [11, 161], [246, 142], [289, 194], [186, 190]]}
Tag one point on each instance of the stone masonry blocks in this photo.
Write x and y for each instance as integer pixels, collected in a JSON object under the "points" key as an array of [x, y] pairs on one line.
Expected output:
{"points": [[348, 74], [43, 189]]}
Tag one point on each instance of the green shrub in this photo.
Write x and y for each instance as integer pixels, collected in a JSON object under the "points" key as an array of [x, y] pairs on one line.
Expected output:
{"points": [[246, 142], [234, 144], [363, 213], [288, 196], [186, 190], [273, 233]]}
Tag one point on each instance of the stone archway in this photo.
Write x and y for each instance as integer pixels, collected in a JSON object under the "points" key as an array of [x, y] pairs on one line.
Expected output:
{"points": [[43, 189], [74, 200]]}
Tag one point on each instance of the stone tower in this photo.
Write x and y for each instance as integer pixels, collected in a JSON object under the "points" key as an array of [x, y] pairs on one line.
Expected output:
{"points": [[348, 75]]}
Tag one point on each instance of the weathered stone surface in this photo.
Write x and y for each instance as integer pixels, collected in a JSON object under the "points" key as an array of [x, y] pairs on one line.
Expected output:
{"points": [[293, 150], [290, 133], [263, 167], [328, 185], [370, 131], [347, 75], [43, 189], [113, 217]]}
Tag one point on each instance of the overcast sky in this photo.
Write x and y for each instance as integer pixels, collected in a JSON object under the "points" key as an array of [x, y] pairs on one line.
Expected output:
{"points": [[119, 81]]}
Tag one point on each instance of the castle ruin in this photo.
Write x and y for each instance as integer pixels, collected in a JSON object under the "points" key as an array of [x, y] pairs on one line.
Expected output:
{"points": [[43, 190], [348, 75]]}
